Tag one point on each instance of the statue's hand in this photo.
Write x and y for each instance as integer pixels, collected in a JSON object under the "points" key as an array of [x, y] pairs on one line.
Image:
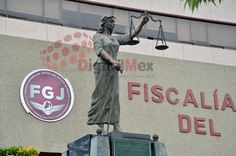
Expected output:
{"points": [[145, 20], [116, 65]]}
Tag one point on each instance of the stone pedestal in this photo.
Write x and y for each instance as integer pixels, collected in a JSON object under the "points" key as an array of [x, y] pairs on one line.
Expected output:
{"points": [[159, 149], [100, 146], [117, 144], [130, 144], [80, 147]]}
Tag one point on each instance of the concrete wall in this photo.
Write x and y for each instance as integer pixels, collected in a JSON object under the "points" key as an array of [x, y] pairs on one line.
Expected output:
{"points": [[141, 114], [53, 33]]}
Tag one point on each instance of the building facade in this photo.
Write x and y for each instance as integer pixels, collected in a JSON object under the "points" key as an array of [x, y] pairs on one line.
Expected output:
{"points": [[186, 94]]}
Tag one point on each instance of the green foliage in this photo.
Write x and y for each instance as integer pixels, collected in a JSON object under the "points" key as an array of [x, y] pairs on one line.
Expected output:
{"points": [[2, 151], [194, 4], [12, 151], [19, 151], [27, 151]]}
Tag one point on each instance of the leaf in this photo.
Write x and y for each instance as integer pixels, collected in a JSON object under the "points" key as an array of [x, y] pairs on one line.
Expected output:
{"points": [[213, 1], [194, 4], [187, 2]]}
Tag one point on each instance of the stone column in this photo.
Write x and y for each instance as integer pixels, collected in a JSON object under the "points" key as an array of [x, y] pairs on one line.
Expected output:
{"points": [[100, 145]]}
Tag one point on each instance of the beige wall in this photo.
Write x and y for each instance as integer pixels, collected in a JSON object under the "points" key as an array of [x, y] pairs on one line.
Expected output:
{"points": [[20, 56]]}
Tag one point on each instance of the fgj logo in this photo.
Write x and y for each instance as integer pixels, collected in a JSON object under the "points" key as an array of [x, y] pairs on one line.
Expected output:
{"points": [[46, 95]]}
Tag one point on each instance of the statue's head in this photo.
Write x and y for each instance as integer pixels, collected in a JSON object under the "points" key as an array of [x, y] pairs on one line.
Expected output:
{"points": [[106, 21]]}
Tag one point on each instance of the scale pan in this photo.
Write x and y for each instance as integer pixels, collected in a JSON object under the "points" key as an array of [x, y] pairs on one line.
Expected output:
{"points": [[161, 47], [133, 42]]}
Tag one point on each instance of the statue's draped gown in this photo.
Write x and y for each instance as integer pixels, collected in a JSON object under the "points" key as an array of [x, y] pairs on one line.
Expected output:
{"points": [[106, 81]]}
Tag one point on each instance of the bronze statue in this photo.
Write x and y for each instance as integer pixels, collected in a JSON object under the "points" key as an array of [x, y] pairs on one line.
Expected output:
{"points": [[105, 106]]}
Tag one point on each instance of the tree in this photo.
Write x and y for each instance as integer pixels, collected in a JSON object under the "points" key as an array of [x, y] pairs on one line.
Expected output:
{"points": [[194, 4]]}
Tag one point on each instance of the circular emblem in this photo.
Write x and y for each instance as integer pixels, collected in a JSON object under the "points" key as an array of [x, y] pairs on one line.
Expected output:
{"points": [[46, 95]]}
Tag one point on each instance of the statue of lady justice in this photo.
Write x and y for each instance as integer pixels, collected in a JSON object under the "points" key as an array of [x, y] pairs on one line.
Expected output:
{"points": [[105, 106]]}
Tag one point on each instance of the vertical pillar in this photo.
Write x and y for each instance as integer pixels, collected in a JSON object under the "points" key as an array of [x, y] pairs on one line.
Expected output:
{"points": [[159, 148], [100, 145]]}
